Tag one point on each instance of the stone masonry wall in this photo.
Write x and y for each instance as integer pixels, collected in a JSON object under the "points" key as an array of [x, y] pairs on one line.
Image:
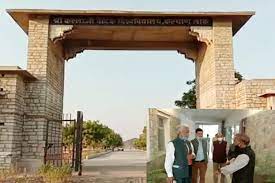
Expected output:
{"points": [[248, 91], [11, 119], [260, 128], [174, 123], [240, 95], [155, 157], [171, 123], [44, 97]]}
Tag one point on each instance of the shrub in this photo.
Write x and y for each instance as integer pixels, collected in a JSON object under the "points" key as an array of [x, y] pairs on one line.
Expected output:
{"points": [[157, 176]]}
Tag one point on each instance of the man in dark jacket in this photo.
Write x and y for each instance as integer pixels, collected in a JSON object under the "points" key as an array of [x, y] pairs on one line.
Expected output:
{"points": [[199, 166], [219, 157], [242, 167]]}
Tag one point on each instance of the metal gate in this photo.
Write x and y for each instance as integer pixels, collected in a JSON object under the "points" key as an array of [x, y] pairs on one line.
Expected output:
{"points": [[64, 141]]}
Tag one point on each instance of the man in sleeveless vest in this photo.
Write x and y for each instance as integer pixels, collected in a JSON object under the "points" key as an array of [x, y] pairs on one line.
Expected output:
{"points": [[200, 162], [219, 157], [242, 167], [178, 155]]}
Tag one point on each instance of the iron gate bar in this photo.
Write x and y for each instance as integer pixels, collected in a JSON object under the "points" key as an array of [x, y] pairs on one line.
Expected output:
{"points": [[80, 143], [73, 155], [77, 146], [79, 124], [47, 145], [77, 141]]}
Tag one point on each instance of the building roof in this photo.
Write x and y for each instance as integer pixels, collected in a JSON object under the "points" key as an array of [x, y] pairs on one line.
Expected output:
{"points": [[18, 71], [268, 93], [21, 16]]}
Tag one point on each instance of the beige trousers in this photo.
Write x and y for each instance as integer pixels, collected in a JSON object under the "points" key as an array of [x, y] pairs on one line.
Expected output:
{"points": [[216, 166]]}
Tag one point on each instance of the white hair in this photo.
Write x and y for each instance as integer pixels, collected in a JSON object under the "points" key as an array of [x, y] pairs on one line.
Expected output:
{"points": [[181, 127]]}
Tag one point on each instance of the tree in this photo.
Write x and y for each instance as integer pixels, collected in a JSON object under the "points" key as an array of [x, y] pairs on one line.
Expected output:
{"points": [[68, 135], [112, 140], [238, 76], [95, 135], [140, 143], [188, 100]]}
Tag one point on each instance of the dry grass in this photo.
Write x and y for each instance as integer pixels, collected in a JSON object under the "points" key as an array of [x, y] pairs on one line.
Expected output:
{"points": [[46, 174], [53, 174], [7, 173]]}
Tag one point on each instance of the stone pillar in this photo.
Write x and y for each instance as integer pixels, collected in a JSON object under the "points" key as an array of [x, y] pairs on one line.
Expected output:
{"points": [[44, 97], [152, 136], [214, 67]]}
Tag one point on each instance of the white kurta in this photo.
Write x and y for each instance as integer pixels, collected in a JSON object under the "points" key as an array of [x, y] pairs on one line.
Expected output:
{"points": [[237, 164]]}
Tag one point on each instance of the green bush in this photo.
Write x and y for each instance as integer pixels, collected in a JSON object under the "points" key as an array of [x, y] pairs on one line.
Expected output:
{"points": [[157, 176], [155, 169], [54, 174]]}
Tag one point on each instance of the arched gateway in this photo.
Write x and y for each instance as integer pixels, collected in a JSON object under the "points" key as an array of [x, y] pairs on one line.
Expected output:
{"points": [[58, 35]]}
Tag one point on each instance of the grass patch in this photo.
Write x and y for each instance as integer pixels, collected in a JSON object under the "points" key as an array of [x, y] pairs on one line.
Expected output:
{"points": [[54, 174]]}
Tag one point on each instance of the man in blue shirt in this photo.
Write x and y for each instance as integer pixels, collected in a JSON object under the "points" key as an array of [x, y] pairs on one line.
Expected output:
{"points": [[200, 162]]}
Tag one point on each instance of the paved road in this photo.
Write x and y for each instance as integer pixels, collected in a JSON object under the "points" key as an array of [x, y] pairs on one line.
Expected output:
{"points": [[122, 164]]}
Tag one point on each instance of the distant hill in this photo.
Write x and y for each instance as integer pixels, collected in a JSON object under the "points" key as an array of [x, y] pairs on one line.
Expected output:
{"points": [[129, 144]]}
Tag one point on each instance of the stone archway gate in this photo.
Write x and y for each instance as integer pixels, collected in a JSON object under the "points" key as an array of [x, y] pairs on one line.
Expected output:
{"points": [[58, 35]]}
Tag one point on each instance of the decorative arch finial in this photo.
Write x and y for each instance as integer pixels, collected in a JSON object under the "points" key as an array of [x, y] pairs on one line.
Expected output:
{"points": [[71, 52], [189, 54], [203, 34], [59, 32]]}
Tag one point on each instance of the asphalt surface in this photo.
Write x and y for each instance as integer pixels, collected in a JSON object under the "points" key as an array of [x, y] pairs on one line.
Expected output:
{"points": [[128, 163]]}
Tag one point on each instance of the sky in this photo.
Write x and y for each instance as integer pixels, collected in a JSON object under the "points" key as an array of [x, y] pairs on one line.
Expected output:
{"points": [[118, 87]]}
